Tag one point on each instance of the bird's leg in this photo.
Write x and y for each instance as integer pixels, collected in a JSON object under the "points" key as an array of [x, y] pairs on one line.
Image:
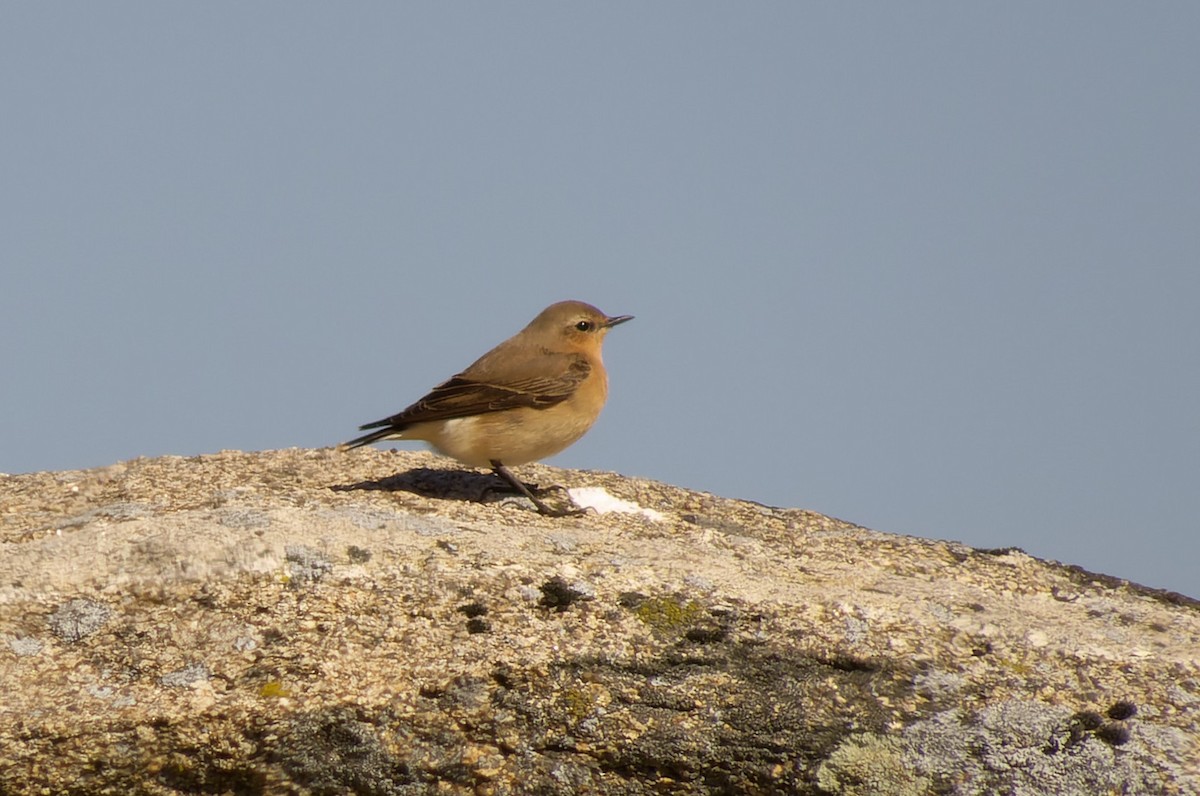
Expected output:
{"points": [[508, 489], [502, 471]]}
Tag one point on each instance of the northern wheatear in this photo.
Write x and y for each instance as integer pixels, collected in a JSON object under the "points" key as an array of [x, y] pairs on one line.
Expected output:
{"points": [[526, 399]]}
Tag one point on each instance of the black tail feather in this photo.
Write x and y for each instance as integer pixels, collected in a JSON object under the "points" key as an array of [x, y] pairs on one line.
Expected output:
{"points": [[374, 436]]}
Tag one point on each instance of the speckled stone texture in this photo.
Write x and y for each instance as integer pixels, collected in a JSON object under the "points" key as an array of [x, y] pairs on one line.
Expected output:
{"points": [[372, 622]]}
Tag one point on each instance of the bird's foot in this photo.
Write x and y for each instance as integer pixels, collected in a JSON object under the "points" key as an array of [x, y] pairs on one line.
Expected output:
{"points": [[533, 492]]}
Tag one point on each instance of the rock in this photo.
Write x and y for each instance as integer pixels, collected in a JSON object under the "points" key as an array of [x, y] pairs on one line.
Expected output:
{"points": [[327, 622]]}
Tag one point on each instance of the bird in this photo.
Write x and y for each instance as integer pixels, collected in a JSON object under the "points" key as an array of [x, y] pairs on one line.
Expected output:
{"points": [[528, 398]]}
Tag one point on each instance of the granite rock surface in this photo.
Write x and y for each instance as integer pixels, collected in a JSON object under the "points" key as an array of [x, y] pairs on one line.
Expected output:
{"points": [[379, 622]]}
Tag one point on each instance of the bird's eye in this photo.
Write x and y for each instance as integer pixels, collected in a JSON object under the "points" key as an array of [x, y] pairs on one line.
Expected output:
{"points": [[585, 326]]}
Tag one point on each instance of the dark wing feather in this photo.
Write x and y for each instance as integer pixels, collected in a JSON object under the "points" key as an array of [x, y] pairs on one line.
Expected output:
{"points": [[463, 397]]}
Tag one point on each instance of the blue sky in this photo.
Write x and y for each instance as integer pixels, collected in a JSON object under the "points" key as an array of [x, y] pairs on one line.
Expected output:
{"points": [[930, 268]]}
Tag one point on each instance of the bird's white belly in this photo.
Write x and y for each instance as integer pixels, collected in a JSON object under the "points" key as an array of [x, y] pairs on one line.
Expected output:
{"points": [[513, 437]]}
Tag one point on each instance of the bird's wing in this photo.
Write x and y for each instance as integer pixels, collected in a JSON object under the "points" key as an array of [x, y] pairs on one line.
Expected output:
{"points": [[551, 380]]}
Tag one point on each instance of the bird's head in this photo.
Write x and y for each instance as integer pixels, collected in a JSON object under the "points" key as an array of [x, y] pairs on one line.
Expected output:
{"points": [[574, 325]]}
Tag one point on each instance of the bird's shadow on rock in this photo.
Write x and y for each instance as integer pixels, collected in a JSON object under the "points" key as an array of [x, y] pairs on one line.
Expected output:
{"points": [[465, 485]]}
